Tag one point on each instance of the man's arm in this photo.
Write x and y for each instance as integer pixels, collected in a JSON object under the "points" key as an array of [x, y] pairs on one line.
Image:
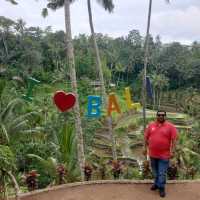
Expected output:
{"points": [[173, 141]]}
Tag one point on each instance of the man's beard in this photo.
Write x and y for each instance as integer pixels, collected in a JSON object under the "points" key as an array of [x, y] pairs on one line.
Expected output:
{"points": [[161, 121]]}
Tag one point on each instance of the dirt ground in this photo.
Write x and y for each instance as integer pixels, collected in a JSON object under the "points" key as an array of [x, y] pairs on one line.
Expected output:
{"points": [[117, 191]]}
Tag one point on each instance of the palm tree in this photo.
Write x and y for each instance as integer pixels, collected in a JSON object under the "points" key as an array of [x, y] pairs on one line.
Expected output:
{"points": [[159, 82], [146, 54], [6, 25], [54, 5], [107, 5]]}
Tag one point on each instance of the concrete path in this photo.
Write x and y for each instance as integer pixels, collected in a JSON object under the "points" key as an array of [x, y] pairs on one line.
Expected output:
{"points": [[117, 190]]}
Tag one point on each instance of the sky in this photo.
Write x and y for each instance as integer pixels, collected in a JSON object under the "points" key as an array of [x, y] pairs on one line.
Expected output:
{"points": [[177, 21]]}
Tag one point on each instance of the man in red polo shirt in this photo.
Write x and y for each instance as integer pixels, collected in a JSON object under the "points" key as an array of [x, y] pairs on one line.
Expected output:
{"points": [[160, 139]]}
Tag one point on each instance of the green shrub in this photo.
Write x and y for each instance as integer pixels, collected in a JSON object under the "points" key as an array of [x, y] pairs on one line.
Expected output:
{"points": [[7, 159]]}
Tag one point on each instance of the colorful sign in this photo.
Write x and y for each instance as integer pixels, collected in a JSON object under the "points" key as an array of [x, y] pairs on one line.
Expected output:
{"points": [[129, 102], [64, 101], [94, 106], [112, 104]]}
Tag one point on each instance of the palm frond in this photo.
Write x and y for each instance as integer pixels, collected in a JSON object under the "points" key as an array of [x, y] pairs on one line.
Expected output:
{"points": [[13, 2], [55, 4], [190, 152], [33, 130], [5, 133], [67, 143], [44, 12], [49, 164], [20, 126], [7, 158], [2, 86], [22, 118], [106, 4], [67, 150], [9, 109]]}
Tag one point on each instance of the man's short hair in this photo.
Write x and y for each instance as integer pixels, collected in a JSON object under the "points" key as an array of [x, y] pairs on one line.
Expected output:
{"points": [[161, 111]]}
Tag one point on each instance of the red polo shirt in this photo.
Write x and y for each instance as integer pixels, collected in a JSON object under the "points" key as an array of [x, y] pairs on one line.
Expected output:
{"points": [[159, 137]]}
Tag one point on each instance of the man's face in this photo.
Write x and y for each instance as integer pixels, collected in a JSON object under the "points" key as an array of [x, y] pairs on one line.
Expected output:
{"points": [[161, 117]]}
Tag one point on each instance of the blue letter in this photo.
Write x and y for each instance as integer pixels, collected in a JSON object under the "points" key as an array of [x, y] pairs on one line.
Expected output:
{"points": [[94, 105]]}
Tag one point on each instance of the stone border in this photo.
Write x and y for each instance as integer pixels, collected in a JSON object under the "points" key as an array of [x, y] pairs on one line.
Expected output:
{"points": [[77, 184]]}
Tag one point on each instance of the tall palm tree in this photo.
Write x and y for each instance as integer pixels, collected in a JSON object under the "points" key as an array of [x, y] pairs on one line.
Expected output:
{"points": [[146, 54], [107, 5], [54, 5]]}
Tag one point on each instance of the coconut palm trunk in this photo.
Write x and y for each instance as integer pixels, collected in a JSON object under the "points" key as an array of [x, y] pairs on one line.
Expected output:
{"points": [[103, 88], [96, 50], [146, 54], [71, 61]]}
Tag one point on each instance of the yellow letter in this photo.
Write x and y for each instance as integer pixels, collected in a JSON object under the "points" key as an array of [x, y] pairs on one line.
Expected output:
{"points": [[130, 103], [128, 98]]}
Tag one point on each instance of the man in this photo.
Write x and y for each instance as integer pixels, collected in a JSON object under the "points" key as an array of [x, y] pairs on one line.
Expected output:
{"points": [[160, 139]]}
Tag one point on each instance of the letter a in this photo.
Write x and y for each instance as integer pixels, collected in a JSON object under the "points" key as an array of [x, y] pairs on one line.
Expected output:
{"points": [[113, 104]]}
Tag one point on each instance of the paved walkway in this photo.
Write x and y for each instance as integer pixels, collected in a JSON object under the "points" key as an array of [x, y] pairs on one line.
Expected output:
{"points": [[116, 190]]}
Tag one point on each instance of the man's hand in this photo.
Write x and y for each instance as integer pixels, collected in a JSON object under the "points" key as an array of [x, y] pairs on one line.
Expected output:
{"points": [[173, 149], [172, 154]]}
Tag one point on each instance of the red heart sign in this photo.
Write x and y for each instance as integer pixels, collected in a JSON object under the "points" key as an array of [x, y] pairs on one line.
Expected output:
{"points": [[64, 101]]}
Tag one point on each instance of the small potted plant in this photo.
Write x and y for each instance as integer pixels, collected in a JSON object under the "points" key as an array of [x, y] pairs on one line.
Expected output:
{"points": [[31, 180]]}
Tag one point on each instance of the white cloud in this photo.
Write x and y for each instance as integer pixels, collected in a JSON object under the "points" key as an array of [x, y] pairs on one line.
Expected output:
{"points": [[178, 24], [175, 21]]}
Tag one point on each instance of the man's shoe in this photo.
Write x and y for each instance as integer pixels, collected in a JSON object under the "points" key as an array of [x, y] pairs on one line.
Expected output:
{"points": [[162, 192], [154, 187]]}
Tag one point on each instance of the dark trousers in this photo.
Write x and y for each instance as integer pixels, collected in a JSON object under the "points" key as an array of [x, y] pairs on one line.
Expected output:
{"points": [[159, 168]]}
